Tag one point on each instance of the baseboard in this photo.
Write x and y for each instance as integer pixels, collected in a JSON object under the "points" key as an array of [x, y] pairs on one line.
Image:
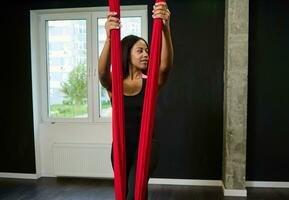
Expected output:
{"points": [[18, 175], [267, 184], [196, 182], [48, 175], [188, 182], [234, 192]]}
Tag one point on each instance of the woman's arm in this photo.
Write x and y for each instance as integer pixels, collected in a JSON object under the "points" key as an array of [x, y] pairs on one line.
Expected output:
{"points": [[104, 73], [167, 54]]}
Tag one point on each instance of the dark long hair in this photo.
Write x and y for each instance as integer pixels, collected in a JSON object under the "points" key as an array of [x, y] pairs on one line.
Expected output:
{"points": [[126, 46]]}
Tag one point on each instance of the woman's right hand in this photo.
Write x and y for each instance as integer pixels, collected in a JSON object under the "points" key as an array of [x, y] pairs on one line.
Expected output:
{"points": [[112, 22]]}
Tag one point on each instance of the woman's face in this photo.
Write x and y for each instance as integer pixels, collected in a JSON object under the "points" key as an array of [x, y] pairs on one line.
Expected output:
{"points": [[139, 56]]}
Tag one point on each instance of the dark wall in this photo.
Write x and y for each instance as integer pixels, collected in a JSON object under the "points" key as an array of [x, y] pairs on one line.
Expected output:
{"points": [[189, 116], [16, 119], [268, 103]]}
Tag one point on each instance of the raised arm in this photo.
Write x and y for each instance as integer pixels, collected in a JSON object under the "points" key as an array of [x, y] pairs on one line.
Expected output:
{"points": [[167, 54], [104, 73]]}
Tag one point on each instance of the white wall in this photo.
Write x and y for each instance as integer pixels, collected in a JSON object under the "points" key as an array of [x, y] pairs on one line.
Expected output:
{"points": [[70, 134]]}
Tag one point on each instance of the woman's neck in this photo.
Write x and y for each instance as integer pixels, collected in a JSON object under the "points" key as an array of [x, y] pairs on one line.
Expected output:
{"points": [[134, 73]]}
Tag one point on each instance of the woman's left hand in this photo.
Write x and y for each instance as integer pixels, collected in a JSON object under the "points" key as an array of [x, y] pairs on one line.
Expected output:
{"points": [[161, 11]]}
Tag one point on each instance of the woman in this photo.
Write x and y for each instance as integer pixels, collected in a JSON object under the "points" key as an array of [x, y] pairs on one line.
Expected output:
{"points": [[135, 57]]}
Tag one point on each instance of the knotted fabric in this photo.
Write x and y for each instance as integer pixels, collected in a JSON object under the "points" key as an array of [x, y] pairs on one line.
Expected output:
{"points": [[148, 114]]}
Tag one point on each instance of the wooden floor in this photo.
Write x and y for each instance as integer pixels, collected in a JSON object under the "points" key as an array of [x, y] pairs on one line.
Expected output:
{"points": [[95, 189]]}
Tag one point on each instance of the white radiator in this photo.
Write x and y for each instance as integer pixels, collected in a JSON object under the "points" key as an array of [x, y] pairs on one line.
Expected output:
{"points": [[82, 160]]}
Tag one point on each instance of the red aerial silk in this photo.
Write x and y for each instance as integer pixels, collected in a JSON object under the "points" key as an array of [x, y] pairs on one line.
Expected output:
{"points": [[148, 114], [119, 155]]}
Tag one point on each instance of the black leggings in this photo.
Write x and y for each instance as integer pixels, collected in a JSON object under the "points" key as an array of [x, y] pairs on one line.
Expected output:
{"points": [[131, 163]]}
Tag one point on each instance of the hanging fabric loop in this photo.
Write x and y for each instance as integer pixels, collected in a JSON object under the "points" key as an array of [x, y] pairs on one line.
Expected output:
{"points": [[148, 114]]}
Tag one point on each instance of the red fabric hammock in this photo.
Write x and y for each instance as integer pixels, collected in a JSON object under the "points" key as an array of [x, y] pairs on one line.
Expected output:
{"points": [[148, 114]]}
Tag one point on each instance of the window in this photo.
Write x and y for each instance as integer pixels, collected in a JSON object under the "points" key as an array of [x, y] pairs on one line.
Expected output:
{"points": [[71, 41], [67, 82]]}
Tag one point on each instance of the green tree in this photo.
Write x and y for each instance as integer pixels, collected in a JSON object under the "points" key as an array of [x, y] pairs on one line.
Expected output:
{"points": [[75, 88]]}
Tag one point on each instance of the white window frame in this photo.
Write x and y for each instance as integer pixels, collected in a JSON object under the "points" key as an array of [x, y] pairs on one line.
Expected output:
{"points": [[91, 15]]}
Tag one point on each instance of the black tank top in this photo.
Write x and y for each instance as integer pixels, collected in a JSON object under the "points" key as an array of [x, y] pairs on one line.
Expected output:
{"points": [[133, 106]]}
